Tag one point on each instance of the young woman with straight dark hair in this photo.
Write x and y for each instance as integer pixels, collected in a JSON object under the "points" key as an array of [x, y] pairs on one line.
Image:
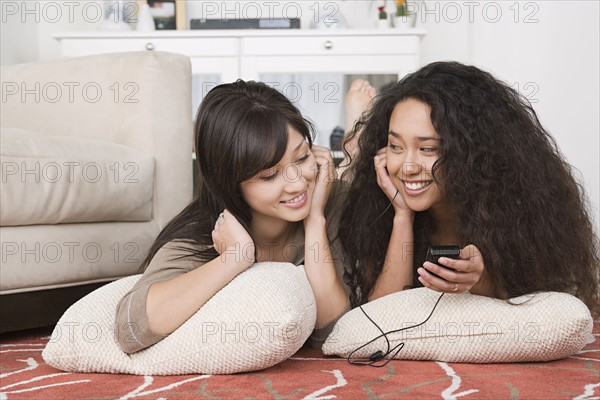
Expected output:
{"points": [[266, 193]]}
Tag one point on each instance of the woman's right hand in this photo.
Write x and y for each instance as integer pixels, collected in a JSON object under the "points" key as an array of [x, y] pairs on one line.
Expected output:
{"points": [[385, 182], [230, 239]]}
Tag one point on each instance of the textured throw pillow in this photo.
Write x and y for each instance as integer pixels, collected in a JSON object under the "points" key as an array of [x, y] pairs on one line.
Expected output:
{"points": [[466, 328], [259, 319], [62, 179]]}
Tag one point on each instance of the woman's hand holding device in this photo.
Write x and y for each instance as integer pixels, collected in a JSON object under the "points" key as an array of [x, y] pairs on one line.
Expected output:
{"points": [[452, 270]]}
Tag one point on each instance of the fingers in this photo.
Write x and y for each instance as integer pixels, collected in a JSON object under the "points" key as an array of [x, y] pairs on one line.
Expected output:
{"points": [[231, 239], [384, 180], [218, 222], [445, 273], [219, 233], [213, 236], [380, 162], [470, 253], [322, 153], [326, 167], [470, 261], [453, 276], [221, 218], [216, 233], [383, 177], [325, 177], [437, 279]]}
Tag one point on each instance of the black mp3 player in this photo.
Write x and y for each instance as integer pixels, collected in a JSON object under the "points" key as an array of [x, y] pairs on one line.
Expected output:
{"points": [[448, 251]]}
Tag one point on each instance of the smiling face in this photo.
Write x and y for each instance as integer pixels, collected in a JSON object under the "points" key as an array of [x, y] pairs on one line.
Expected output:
{"points": [[285, 191], [413, 148]]}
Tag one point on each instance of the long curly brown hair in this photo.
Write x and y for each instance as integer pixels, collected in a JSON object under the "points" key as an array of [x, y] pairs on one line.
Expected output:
{"points": [[515, 195]]}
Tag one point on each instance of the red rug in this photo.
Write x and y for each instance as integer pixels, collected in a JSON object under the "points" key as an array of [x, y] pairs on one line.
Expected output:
{"points": [[307, 375]]}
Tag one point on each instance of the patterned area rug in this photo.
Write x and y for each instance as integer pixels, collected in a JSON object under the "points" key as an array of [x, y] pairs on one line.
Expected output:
{"points": [[307, 375]]}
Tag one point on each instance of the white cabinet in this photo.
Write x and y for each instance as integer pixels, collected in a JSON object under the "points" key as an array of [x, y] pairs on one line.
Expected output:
{"points": [[272, 55], [246, 54]]}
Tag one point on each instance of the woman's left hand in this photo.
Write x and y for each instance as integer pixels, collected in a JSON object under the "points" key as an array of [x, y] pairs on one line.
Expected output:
{"points": [[459, 276], [326, 177]]}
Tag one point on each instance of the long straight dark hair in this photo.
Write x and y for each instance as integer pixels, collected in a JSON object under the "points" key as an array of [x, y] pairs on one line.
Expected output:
{"points": [[241, 129]]}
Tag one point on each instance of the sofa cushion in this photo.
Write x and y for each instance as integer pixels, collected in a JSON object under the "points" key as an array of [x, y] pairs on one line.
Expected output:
{"points": [[259, 319], [40, 257], [466, 328], [58, 179]]}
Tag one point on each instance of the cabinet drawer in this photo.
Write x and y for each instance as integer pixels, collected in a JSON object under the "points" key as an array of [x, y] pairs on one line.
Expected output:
{"points": [[329, 45], [190, 46]]}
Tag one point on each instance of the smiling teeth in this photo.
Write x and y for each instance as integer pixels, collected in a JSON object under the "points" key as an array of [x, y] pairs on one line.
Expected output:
{"points": [[417, 185], [297, 199]]}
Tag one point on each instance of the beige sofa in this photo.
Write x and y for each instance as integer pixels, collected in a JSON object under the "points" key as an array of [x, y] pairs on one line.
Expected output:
{"points": [[96, 159]]}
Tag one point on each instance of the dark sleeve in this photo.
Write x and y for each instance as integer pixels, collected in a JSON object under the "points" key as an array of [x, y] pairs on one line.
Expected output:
{"points": [[132, 331]]}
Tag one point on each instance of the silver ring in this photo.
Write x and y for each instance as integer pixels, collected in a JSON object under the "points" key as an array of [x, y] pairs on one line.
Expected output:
{"points": [[455, 287], [220, 218]]}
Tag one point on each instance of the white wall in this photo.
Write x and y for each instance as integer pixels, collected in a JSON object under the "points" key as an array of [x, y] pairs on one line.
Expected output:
{"points": [[27, 26], [556, 55], [18, 39], [549, 49], [81, 17]]}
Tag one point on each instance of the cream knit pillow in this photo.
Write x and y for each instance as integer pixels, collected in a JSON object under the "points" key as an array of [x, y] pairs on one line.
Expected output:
{"points": [[466, 328], [259, 319]]}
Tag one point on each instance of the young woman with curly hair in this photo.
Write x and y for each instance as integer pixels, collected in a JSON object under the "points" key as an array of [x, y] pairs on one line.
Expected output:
{"points": [[451, 155]]}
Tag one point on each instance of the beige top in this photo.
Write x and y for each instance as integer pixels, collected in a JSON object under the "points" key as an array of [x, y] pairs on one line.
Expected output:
{"points": [[133, 333]]}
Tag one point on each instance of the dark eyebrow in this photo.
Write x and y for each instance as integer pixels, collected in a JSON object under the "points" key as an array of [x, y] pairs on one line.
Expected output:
{"points": [[295, 150], [299, 145], [419, 138]]}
